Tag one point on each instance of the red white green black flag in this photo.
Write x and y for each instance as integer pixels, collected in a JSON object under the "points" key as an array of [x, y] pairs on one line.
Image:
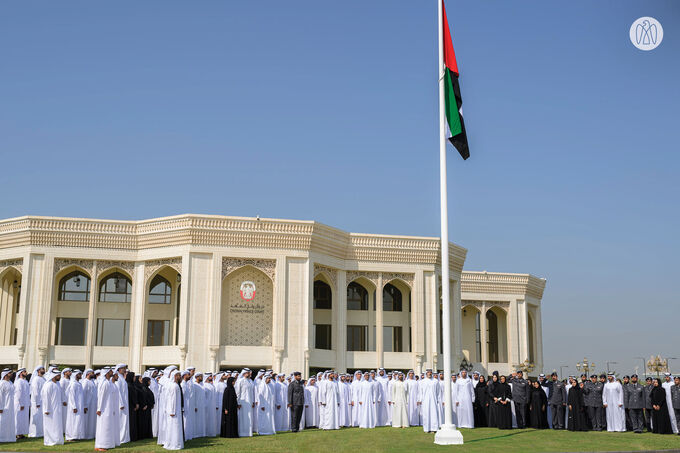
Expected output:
{"points": [[454, 102]]}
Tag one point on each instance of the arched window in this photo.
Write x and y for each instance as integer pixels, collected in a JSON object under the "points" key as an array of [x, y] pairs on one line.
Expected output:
{"points": [[75, 287], [323, 296], [160, 291], [391, 298], [357, 297], [492, 338], [115, 288]]}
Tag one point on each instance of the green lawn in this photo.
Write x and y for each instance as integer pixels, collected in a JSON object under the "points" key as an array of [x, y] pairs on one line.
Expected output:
{"points": [[395, 440]]}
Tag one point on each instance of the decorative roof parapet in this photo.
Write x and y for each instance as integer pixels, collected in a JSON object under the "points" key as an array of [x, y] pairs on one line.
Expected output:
{"points": [[502, 283]]}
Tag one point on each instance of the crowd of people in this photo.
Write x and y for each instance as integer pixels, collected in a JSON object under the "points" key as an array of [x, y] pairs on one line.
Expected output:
{"points": [[114, 406]]}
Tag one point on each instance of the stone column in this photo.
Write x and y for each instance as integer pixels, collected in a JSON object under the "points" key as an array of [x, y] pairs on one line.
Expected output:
{"points": [[137, 316], [279, 312], [513, 333], [6, 310], [457, 328], [92, 318], [538, 334], [418, 318], [341, 327], [183, 322], [523, 326], [484, 327], [379, 346]]}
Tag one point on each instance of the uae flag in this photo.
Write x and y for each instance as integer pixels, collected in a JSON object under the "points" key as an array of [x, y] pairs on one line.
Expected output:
{"points": [[454, 102]]}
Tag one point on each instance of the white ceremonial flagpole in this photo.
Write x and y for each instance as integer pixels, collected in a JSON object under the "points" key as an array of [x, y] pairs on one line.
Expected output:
{"points": [[447, 434]]}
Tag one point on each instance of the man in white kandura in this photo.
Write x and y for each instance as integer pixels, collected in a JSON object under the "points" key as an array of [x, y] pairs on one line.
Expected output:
{"points": [[429, 399], [7, 431], [35, 428], [174, 437], [465, 396], [329, 399], [367, 397], [22, 403], [312, 403], [413, 406], [75, 411], [90, 403], [107, 433], [266, 405], [245, 397], [667, 385], [121, 384], [612, 400], [52, 408], [399, 402]]}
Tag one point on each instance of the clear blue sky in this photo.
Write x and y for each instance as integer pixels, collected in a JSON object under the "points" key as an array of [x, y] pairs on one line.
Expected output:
{"points": [[328, 111]]}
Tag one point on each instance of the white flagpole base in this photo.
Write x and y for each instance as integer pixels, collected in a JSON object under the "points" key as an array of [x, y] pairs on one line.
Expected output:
{"points": [[448, 435]]}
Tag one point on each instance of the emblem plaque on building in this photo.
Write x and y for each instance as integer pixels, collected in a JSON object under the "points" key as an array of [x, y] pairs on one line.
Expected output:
{"points": [[247, 291]]}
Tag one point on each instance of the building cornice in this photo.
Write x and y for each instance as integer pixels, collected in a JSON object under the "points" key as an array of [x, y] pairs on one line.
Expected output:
{"points": [[224, 231], [502, 283]]}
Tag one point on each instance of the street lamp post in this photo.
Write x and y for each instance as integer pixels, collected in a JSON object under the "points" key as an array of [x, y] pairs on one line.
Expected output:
{"points": [[644, 367], [657, 364], [585, 366]]}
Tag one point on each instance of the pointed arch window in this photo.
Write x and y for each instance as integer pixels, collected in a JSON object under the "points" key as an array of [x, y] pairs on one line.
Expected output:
{"points": [[160, 291], [115, 288], [357, 297], [323, 296], [74, 287]]}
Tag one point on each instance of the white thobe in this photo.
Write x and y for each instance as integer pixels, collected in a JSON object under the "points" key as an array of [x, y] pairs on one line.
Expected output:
{"points": [[355, 387], [107, 433], [174, 439], [612, 397], [63, 386], [160, 403], [669, 403], [465, 396], [399, 398], [75, 421], [330, 400], [22, 398], [429, 396], [367, 396], [281, 418], [382, 404], [266, 406], [454, 408], [35, 428], [155, 389], [311, 405], [344, 411], [189, 413], [198, 404], [7, 431], [210, 409], [125, 412], [90, 403], [413, 407], [53, 425], [220, 388], [245, 397]]}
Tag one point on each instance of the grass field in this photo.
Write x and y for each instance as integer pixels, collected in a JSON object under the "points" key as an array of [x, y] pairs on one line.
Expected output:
{"points": [[412, 440]]}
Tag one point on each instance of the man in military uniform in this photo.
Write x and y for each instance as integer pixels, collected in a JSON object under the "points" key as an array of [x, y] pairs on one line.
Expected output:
{"points": [[520, 396], [634, 402], [675, 399], [648, 404], [624, 386], [603, 413], [296, 400], [557, 401], [592, 391]]}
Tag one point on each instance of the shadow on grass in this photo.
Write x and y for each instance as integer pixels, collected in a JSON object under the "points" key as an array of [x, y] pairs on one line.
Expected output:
{"points": [[516, 433]]}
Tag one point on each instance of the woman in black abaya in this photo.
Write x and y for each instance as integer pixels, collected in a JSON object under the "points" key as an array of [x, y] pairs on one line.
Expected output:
{"points": [[146, 403], [133, 405], [661, 420], [577, 414], [491, 413], [481, 404], [229, 427], [502, 395], [538, 406]]}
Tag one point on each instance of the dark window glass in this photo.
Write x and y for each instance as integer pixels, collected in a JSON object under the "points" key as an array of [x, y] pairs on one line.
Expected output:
{"points": [[392, 339], [115, 288], [160, 291], [322, 296], [75, 287], [391, 298], [71, 331], [356, 338], [113, 332], [357, 297], [323, 336], [492, 335], [157, 333]]}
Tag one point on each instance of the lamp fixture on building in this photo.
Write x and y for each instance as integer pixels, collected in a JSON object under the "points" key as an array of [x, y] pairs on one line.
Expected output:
{"points": [[465, 365], [179, 278], [76, 280], [657, 364], [15, 284], [527, 366]]}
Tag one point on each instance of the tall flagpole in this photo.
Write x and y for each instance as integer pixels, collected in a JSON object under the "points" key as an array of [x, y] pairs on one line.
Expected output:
{"points": [[447, 434]]}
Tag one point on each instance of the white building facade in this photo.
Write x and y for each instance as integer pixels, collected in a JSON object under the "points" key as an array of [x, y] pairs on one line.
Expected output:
{"points": [[224, 292]]}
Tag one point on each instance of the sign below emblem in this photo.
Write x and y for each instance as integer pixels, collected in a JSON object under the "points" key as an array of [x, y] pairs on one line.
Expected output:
{"points": [[247, 291]]}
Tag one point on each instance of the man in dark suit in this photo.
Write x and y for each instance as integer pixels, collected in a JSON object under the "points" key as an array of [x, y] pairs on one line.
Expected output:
{"points": [[296, 400]]}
